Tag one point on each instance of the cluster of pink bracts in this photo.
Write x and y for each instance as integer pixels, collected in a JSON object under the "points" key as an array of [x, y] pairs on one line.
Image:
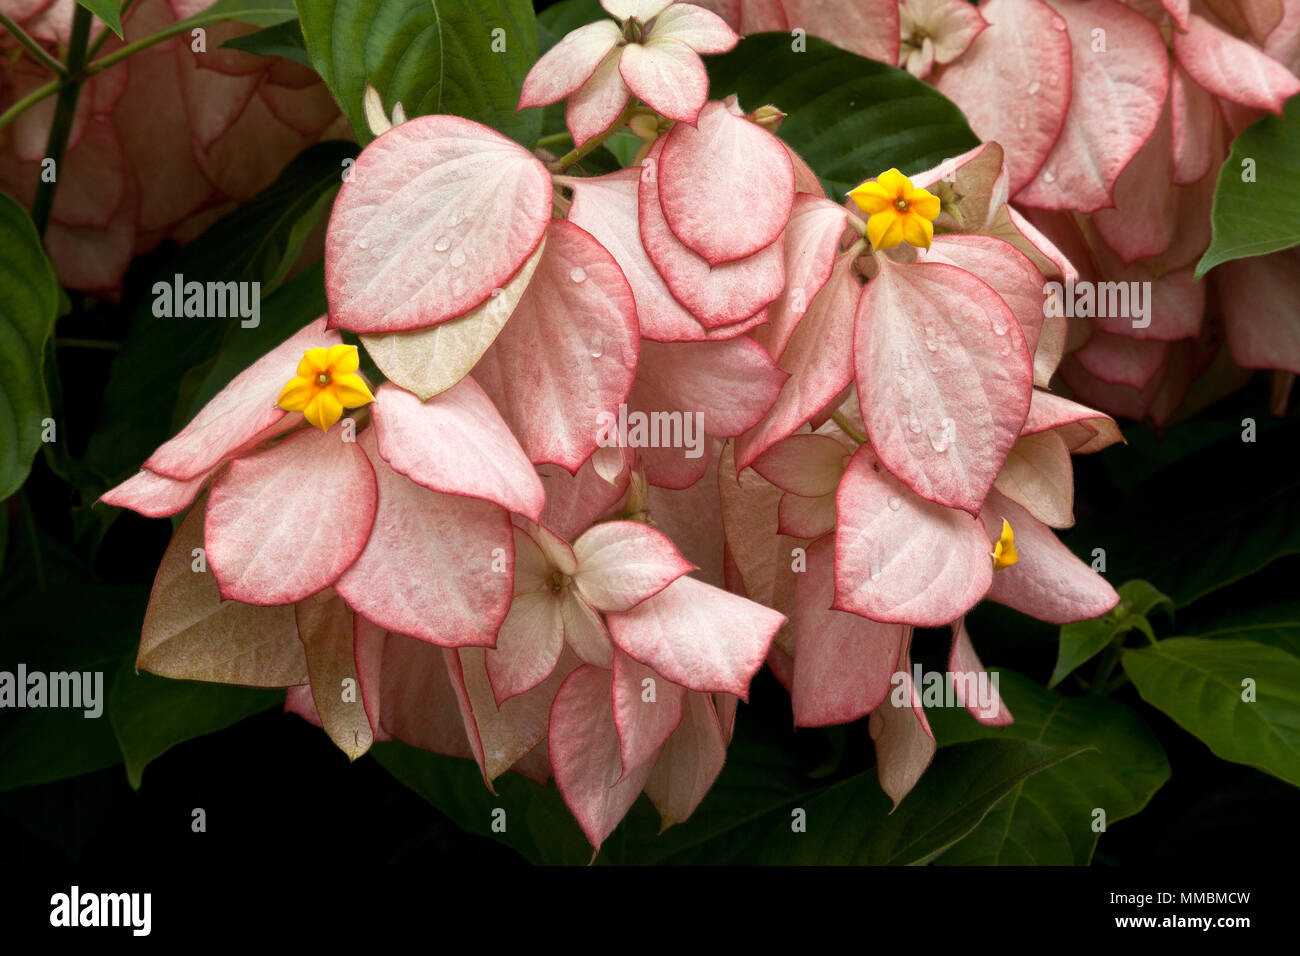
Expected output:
{"points": [[164, 143], [642, 432], [1115, 117]]}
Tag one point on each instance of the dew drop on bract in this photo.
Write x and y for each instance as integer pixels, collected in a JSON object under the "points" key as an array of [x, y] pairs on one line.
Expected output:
{"points": [[458, 258], [443, 244], [894, 503], [363, 243], [578, 274], [931, 339], [943, 436], [597, 347], [1033, 88], [913, 423], [1049, 176]]}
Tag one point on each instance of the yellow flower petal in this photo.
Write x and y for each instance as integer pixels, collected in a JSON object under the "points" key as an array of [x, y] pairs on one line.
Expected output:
{"points": [[924, 203], [351, 391], [885, 230], [296, 394], [917, 231], [314, 361], [323, 410], [894, 183], [1004, 552], [871, 198], [343, 359]]}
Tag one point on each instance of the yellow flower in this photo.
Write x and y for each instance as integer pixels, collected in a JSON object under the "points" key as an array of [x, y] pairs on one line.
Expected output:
{"points": [[1004, 552], [327, 382], [899, 211]]}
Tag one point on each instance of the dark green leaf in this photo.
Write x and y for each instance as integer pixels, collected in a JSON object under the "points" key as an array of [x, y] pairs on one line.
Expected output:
{"points": [[463, 58], [75, 626], [110, 11], [1241, 524], [1047, 820], [283, 39], [1261, 216], [1200, 683], [27, 312], [150, 714], [1277, 625], [564, 17], [537, 823], [850, 118], [251, 244], [851, 823]]}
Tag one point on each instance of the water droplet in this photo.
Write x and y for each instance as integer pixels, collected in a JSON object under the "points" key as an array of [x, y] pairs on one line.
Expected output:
{"points": [[943, 436], [363, 243], [999, 327], [458, 258], [1022, 123], [1049, 176], [894, 503], [1058, 24], [913, 423], [597, 347], [1033, 88], [1004, 351], [458, 285], [931, 339], [1053, 79], [443, 244], [578, 274]]}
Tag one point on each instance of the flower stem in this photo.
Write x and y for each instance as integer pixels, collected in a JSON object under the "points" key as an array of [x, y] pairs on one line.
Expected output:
{"points": [[553, 140], [32, 47], [848, 427], [577, 153], [64, 111], [107, 34]]}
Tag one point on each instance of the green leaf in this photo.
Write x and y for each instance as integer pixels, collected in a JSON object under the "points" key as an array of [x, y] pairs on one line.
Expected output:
{"points": [[1277, 625], [251, 244], [110, 11], [564, 17], [432, 56], [1263, 216], [1199, 683], [282, 39], [27, 312], [93, 628], [1083, 641], [851, 823], [150, 715], [850, 118], [1047, 819], [288, 310]]}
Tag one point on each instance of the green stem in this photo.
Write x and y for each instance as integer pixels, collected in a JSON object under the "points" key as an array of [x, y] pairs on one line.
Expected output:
{"points": [[1106, 666], [34, 48], [575, 155], [61, 128], [553, 140], [848, 428], [31, 99]]}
